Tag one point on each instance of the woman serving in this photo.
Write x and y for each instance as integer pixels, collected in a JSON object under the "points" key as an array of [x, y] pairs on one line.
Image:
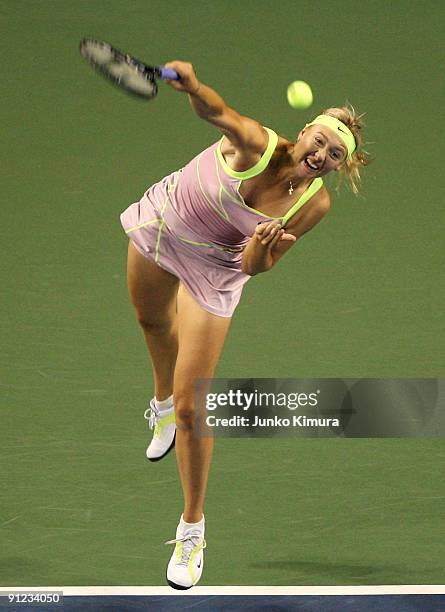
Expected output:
{"points": [[196, 237]]}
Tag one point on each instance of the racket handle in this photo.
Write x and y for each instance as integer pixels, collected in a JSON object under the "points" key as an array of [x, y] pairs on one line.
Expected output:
{"points": [[168, 73]]}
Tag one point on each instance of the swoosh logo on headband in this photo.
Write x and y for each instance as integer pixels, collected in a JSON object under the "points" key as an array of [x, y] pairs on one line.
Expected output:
{"points": [[340, 130]]}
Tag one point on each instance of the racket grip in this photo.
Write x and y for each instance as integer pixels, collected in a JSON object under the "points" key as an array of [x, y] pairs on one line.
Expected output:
{"points": [[168, 73]]}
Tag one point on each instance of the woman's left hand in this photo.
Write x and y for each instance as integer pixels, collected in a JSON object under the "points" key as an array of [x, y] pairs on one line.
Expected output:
{"points": [[259, 252], [270, 233]]}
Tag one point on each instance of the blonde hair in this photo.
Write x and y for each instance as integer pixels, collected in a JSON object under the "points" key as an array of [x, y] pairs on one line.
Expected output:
{"points": [[351, 167]]}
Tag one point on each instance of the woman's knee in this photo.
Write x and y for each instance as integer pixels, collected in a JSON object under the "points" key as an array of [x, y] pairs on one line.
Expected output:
{"points": [[154, 324], [185, 405]]}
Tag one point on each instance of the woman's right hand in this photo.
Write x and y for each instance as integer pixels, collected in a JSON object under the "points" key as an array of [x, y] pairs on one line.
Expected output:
{"points": [[188, 80]]}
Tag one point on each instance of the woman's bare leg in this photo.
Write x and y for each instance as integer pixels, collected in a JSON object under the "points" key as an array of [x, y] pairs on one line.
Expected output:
{"points": [[201, 335], [153, 292], [201, 339]]}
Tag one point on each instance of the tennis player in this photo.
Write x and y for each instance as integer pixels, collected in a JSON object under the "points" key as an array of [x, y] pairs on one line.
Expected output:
{"points": [[196, 237]]}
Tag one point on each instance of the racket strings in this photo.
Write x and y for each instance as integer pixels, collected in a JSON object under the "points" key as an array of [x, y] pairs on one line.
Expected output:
{"points": [[121, 68]]}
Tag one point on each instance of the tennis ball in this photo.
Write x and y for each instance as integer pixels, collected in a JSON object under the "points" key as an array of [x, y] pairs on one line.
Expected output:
{"points": [[299, 95]]}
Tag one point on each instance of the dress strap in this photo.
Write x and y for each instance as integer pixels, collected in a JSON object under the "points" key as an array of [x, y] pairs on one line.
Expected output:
{"points": [[305, 196], [258, 167]]}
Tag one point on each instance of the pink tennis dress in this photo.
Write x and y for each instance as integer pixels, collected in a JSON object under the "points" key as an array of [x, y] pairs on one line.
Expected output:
{"points": [[195, 224]]}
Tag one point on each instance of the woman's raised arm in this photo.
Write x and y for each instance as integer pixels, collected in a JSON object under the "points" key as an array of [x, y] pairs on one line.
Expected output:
{"points": [[245, 134]]}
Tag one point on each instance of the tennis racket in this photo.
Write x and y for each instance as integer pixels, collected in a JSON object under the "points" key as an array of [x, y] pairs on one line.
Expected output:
{"points": [[125, 71]]}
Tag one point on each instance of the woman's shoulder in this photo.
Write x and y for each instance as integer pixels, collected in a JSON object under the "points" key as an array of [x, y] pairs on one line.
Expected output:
{"points": [[281, 154], [320, 202], [226, 146], [310, 213]]}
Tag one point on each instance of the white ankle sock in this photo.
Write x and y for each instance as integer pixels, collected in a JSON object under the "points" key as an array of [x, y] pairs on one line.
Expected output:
{"points": [[185, 525], [164, 404]]}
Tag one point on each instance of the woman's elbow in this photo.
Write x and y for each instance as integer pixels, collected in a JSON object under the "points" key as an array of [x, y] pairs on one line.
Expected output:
{"points": [[247, 270], [252, 270]]}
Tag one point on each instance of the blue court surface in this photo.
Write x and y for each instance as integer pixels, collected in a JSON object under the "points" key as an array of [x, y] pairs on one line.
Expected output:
{"points": [[216, 603]]}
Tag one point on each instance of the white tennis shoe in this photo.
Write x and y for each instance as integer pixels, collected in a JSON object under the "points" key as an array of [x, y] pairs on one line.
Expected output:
{"points": [[163, 423], [187, 561]]}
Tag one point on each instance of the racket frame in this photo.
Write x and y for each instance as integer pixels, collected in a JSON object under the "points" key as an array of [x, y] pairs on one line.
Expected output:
{"points": [[148, 73]]}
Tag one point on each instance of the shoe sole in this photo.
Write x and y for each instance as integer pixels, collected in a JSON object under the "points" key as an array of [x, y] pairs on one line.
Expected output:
{"points": [[154, 459], [179, 587]]}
